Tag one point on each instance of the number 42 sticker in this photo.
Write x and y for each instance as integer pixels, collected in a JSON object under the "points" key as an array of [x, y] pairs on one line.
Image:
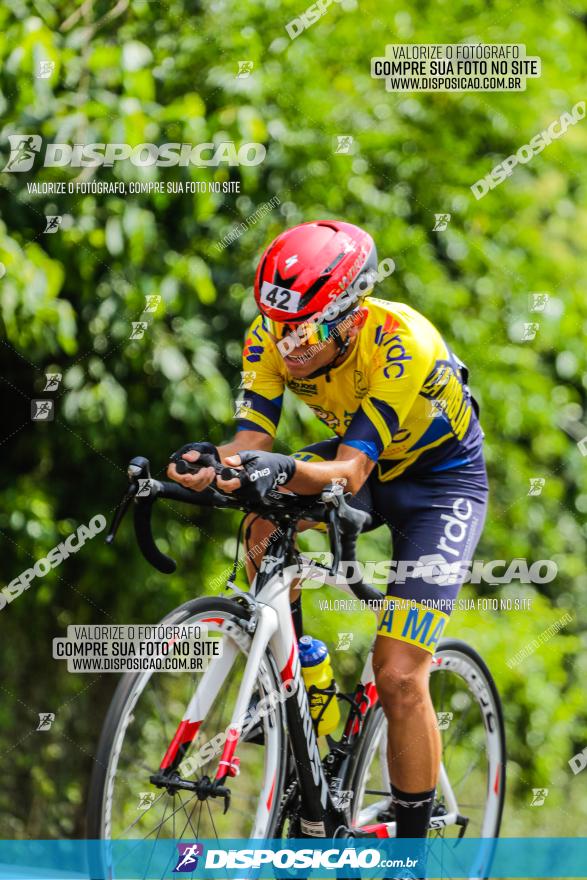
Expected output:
{"points": [[280, 297]]}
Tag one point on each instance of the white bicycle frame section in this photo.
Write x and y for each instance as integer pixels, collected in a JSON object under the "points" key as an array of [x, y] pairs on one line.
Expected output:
{"points": [[274, 629]]}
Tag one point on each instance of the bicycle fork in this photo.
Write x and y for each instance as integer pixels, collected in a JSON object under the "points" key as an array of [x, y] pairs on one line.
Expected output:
{"points": [[208, 689]]}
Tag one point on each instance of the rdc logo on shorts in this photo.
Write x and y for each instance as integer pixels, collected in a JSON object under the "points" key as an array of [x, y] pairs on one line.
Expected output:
{"points": [[188, 854]]}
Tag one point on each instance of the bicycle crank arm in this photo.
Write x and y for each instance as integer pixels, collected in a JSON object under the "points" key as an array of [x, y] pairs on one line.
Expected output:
{"points": [[203, 788]]}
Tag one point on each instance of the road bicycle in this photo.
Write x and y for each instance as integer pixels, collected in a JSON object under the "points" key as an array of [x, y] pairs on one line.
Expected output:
{"points": [[232, 751]]}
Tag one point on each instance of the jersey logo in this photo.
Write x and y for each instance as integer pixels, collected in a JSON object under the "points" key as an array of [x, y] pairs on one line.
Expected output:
{"points": [[298, 386], [395, 355], [444, 388], [390, 324], [325, 415], [252, 352], [402, 436], [395, 352], [361, 385], [268, 563]]}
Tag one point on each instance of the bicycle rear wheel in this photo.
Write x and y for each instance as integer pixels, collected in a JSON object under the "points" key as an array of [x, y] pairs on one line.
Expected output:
{"points": [[472, 778], [140, 725]]}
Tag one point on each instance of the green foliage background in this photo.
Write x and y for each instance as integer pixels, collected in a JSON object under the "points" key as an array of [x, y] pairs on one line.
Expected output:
{"points": [[149, 72]]}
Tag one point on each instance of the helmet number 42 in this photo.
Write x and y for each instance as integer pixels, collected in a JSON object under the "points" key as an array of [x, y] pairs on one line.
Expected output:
{"points": [[279, 297]]}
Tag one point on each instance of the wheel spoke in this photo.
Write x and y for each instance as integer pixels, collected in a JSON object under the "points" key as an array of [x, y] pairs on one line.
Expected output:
{"points": [[212, 820], [143, 813], [468, 771], [154, 845], [458, 727], [189, 815]]}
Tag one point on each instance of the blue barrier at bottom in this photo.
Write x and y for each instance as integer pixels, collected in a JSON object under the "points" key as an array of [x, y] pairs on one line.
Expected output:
{"points": [[522, 857]]}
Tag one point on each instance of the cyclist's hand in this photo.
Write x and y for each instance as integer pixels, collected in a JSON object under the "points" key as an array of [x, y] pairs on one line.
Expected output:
{"points": [[264, 471], [191, 452]]}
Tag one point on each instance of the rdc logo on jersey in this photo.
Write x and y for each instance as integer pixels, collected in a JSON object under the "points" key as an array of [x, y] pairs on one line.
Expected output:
{"points": [[23, 149], [188, 854]]}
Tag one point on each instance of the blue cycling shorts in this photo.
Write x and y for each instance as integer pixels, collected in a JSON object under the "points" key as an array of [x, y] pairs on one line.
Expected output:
{"points": [[435, 520]]}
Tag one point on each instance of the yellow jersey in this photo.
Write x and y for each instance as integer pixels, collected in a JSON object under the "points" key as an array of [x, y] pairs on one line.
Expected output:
{"points": [[400, 396]]}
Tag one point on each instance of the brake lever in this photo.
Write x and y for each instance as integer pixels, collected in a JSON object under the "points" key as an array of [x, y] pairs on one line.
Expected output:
{"points": [[335, 541], [333, 497], [332, 494], [138, 467], [120, 512]]}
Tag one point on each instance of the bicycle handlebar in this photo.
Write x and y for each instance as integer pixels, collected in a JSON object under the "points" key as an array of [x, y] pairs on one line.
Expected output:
{"points": [[193, 467], [344, 522]]}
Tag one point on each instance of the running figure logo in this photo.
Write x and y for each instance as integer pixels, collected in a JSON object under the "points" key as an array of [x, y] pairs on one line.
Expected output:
{"points": [[536, 485], [23, 148], [42, 410], [53, 222], [52, 381], [138, 329], [344, 641], [46, 719], [344, 143], [444, 719], [152, 301], [441, 222], [46, 68], [539, 795], [188, 857], [538, 301], [146, 800], [245, 68]]}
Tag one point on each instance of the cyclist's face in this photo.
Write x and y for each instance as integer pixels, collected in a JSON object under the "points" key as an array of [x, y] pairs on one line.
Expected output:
{"points": [[306, 358]]}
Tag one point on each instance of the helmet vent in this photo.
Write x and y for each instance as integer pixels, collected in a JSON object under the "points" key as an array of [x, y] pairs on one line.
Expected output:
{"points": [[334, 264]]}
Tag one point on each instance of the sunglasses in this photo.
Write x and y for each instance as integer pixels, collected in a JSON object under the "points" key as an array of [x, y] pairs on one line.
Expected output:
{"points": [[305, 333]]}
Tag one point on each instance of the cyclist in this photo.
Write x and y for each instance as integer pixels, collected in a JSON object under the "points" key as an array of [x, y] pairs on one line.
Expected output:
{"points": [[407, 444]]}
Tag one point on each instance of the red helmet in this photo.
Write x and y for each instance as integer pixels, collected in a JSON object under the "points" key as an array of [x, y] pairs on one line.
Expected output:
{"points": [[307, 268]]}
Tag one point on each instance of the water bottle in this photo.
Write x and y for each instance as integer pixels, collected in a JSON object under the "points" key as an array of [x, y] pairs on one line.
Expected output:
{"points": [[318, 677]]}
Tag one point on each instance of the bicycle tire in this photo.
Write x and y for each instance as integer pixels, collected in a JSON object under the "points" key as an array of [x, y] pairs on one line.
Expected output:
{"points": [[371, 729], [207, 606]]}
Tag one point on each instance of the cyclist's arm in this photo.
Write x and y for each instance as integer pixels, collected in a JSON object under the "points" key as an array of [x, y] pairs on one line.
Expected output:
{"points": [[391, 395], [350, 465], [310, 477], [246, 440]]}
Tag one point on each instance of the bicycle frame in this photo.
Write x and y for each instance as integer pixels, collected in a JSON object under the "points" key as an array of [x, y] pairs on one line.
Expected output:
{"points": [[272, 627]]}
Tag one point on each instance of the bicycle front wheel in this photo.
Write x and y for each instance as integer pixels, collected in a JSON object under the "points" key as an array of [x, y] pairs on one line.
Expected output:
{"points": [[145, 714]]}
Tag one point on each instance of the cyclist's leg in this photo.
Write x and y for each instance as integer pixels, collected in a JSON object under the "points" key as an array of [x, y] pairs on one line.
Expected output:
{"points": [[442, 517]]}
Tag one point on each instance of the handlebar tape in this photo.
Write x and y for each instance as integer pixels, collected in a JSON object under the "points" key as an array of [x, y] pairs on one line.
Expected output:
{"points": [[353, 520], [362, 591], [146, 542]]}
